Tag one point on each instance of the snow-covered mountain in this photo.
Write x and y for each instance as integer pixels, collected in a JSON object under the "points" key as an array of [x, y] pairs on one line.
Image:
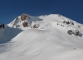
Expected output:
{"points": [[46, 37]]}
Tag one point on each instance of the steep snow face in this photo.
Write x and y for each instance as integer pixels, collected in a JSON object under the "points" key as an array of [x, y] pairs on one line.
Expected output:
{"points": [[50, 41]]}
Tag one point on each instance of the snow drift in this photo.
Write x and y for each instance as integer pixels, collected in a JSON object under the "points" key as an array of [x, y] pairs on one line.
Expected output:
{"points": [[49, 41]]}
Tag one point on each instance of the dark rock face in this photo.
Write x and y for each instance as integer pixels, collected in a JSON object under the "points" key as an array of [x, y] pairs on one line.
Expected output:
{"points": [[25, 24], [23, 17], [2, 26], [76, 32]]}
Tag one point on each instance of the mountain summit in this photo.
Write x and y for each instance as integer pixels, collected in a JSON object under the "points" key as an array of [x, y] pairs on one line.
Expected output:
{"points": [[26, 21], [45, 37]]}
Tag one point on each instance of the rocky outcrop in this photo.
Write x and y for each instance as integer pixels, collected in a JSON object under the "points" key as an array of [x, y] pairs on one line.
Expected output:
{"points": [[25, 24], [24, 17], [69, 22], [35, 26], [2, 26]]}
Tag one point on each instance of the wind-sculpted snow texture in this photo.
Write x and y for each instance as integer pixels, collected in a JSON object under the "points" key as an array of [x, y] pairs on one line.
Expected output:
{"points": [[50, 41]]}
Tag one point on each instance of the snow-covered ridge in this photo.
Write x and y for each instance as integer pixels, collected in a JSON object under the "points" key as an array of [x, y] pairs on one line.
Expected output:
{"points": [[44, 20], [43, 37]]}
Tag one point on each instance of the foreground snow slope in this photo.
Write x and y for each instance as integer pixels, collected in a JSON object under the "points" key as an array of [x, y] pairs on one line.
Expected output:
{"points": [[49, 42]]}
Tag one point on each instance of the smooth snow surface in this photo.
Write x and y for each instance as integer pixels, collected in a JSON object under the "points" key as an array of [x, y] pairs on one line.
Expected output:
{"points": [[50, 41]]}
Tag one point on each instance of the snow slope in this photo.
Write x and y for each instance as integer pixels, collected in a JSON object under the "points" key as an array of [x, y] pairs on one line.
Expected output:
{"points": [[50, 41], [7, 34]]}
